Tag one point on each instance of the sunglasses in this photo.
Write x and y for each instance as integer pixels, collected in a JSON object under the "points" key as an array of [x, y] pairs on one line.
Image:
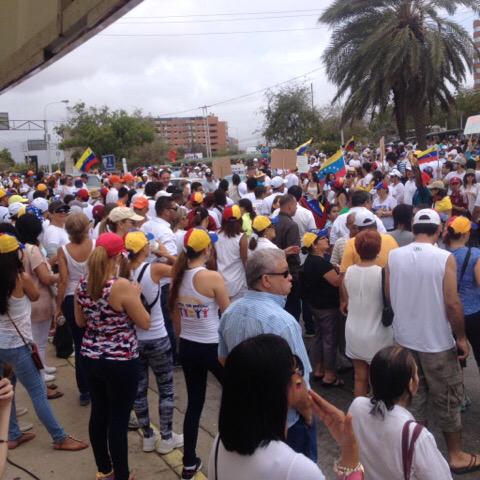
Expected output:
{"points": [[284, 274]]}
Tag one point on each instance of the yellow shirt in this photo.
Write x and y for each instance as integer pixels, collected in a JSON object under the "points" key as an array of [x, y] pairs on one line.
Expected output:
{"points": [[351, 257], [443, 205]]}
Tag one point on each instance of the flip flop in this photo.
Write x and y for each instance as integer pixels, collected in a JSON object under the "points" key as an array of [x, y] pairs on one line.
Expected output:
{"points": [[336, 384], [53, 395], [471, 467]]}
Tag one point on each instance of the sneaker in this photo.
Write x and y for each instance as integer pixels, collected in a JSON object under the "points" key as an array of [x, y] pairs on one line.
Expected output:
{"points": [[133, 422], [21, 411], [189, 472], [84, 399], [148, 443], [48, 378], [167, 446], [25, 427], [50, 370]]}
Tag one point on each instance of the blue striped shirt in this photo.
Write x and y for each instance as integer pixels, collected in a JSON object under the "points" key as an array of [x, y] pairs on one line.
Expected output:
{"points": [[261, 312]]}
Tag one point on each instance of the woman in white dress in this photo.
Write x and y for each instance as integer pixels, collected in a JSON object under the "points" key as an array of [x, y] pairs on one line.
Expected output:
{"points": [[364, 331]]}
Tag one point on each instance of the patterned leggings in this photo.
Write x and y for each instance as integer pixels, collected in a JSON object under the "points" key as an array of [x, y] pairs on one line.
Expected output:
{"points": [[156, 354]]}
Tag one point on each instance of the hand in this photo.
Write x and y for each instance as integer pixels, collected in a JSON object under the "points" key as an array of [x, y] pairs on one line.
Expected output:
{"points": [[292, 250], [344, 308], [161, 251], [6, 392], [463, 348]]}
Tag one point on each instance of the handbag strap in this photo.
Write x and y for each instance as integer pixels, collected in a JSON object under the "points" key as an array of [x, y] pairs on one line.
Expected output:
{"points": [[465, 264], [18, 331], [216, 457], [409, 446], [385, 303], [139, 279]]}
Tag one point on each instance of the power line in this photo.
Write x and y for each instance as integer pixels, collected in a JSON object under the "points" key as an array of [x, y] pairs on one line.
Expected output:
{"points": [[201, 34], [215, 20], [231, 14], [239, 97]]}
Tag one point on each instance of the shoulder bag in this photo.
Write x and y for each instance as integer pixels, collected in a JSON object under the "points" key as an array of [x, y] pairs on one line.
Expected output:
{"points": [[32, 347], [148, 306], [465, 265], [408, 447], [387, 312]]}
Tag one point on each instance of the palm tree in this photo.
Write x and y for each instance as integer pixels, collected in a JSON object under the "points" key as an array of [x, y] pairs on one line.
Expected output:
{"points": [[405, 51]]}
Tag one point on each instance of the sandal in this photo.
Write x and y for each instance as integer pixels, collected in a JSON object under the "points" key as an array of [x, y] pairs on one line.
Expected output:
{"points": [[52, 386], [337, 383], [471, 467], [53, 395], [70, 444]]}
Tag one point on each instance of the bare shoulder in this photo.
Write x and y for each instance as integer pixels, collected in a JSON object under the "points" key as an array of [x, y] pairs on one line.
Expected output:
{"points": [[209, 276]]}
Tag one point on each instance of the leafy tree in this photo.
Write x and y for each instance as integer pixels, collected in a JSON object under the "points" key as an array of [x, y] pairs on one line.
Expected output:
{"points": [[6, 160], [154, 153], [405, 50], [105, 131], [289, 119]]}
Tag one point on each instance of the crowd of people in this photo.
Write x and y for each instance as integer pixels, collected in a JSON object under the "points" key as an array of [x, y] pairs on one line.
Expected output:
{"points": [[378, 265]]}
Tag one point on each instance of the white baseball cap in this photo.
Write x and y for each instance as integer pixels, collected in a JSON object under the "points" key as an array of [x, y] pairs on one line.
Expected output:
{"points": [[427, 215], [277, 182], [364, 218], [395, 173], [40, 203]]}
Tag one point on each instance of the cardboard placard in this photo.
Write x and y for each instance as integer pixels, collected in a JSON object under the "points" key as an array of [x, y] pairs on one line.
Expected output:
{"points": [[302, 164], [222, 167], [284, 159]]}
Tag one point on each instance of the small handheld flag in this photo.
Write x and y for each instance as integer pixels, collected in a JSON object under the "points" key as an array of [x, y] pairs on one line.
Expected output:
{"points": [[303, 147], [87, 160], [350, 145], [335, 164], [430, 155]]}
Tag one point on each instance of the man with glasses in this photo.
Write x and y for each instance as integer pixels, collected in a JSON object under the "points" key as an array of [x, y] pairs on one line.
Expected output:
{"points": [[261, 310]]}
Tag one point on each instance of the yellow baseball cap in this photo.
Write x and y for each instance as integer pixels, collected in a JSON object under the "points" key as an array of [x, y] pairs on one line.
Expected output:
{"points": [[2, 192], [135, 241], [17, 199], [198, 239], [460, 224], [9, 243], [41, 187], [232, 212], [261, 223], [310, 238]]}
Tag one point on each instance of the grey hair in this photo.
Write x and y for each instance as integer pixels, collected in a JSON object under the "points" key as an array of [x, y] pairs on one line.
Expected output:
{"points": [[262, 262]]}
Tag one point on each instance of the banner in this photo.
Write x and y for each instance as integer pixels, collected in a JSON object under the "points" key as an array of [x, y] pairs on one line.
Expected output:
{"points": [[284, 159], [222, 167]]}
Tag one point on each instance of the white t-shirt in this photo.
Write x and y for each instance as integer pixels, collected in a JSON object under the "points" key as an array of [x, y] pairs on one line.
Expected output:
{"points": [[276, 461], [409, 192], [388, 204], [374, 433], [416, 290], [53, 238], [112, 196], [397, 191]]}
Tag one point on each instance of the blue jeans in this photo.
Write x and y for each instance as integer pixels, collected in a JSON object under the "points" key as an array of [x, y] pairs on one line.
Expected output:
{"points": [[303, 439], [28, 375]]}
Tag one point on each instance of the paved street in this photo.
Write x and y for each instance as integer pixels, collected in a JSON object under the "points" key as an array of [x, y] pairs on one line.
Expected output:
{"points": [[38, 457]]}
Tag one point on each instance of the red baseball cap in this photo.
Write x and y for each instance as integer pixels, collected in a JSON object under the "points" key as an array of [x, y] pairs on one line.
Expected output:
{"points": [[140, 203], [83, 194], [112, 243]]}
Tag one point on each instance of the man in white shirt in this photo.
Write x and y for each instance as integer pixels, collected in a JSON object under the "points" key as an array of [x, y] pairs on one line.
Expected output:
{"points": [[210, 184], [360, 200], [397, 187], [278, 188], [410, 186], [421, 280], [115, 184]]}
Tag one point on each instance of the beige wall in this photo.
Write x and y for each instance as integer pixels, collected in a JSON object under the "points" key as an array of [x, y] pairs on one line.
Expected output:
{"points": [[35, 33]]}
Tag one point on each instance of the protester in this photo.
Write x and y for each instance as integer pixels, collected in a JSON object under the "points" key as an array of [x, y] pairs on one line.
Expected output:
{"points": [[196, 297], [402, 225]]}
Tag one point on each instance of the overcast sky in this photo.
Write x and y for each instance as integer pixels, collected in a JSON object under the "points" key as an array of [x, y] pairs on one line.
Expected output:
{"points": [[166, 74]]}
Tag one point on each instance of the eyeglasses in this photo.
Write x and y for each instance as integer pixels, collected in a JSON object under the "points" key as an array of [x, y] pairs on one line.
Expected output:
{"points": [[284, 274]]}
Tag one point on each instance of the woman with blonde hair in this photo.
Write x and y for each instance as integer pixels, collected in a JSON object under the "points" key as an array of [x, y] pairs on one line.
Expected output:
{"points": [[109, 308], [72, 266]]}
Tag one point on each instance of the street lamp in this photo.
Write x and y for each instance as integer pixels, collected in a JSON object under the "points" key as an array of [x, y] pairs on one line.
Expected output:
{"points": [[46, 130]]}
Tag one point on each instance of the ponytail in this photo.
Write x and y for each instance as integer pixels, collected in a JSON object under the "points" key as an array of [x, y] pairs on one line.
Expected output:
{"points": [[125, 267], [252, 244], [98, 271], [199, 215]]}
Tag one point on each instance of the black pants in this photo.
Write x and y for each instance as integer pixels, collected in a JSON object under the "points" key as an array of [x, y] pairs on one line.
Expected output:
{"points": [[293, 305], [168, 321], [77, 334], [197, 360], [113, 387], [472, 330]]}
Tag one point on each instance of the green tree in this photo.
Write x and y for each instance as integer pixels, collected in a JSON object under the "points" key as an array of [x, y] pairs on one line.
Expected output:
{"points": [[154, 153], [401, 50], [6, 160], [289, 119], [105, 131]]}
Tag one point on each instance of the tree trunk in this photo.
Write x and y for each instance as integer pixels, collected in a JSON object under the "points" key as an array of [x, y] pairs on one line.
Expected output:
{"points": [[419, 111], [400, 109]]}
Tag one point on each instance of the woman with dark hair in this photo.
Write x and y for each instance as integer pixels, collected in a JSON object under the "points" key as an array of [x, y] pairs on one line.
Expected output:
{"points": [[29, 228], [109, 308], [233, 192], [384, 420], [470, 187], [262, 378], [364, 331], [196, 296], [311, 186], [263, 234], [220, 202], [402, 224], [320, 282], [17, 291], [232, 252], [248, 215]]}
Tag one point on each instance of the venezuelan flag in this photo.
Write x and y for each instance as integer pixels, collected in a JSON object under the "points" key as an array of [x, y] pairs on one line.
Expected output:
{"points": [[429, 155], [303, 147], [335, 164], [87, 160], [350, 145]]}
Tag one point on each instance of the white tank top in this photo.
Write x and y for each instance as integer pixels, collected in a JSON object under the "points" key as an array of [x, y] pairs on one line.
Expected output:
{"points": [[198, 313], [416, 289], [19, 310], [150, 289], [230, 263], [76, 270]]}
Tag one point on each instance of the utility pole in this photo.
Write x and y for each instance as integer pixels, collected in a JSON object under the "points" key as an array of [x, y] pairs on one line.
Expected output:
{"points": [[207, 132]]}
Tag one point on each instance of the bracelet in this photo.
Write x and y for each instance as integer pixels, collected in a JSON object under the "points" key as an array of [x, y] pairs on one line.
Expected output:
{"points": [[344, 472]]}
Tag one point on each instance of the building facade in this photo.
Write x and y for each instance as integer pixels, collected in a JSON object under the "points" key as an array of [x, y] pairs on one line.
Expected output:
{"points": [[191, 132], [476, 65]]}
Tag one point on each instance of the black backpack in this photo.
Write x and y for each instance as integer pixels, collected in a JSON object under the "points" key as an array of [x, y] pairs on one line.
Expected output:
{"points": [[148, 306]]}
